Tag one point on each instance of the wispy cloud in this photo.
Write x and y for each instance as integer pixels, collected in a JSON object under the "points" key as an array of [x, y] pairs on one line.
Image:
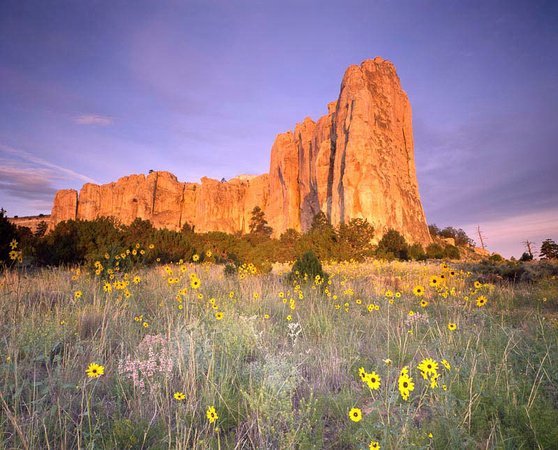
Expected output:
{"points": [[93, 119], [27, 183], [25, 190], [34, 162]]}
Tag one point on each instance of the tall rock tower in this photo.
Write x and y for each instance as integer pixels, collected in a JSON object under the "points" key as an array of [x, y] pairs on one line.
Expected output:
{"points": [[355, 162]]}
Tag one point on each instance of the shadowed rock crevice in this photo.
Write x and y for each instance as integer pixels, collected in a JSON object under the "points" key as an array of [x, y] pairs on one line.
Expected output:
{"points": [[333, 152]]}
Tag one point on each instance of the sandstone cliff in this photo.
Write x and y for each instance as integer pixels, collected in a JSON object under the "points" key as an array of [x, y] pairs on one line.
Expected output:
{"points": [[356, 161]]}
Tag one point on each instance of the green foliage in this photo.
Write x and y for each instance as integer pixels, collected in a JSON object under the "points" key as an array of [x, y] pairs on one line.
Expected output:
{"points": [[41, 230], [435, 251], [495, 257], [393, 245], [320, 222], [61, 245], [354, 239], [258, 224], [230, 269], [289, 241], [433, 230], [269, 390], [451, 252], [417, 253], [320, 239], [458, 235], [78, 242], [517, 271], [526, 256], [8, 232], [306, 268], [549, 249], [138, 231], [188, 228], [171, 246]]}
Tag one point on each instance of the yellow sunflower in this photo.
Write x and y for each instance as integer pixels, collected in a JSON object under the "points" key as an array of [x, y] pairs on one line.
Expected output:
{"points": [[179, 396], [211, 414], [405, 385], [362, 374], [434, 281], [373, 381], [481, 301], [355, 414], [95, 370], [195, 283], [418, 291], [428, 367]]}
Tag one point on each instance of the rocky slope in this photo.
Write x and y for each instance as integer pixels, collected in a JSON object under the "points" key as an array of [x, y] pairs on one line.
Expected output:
{"points": [[356, 161]]}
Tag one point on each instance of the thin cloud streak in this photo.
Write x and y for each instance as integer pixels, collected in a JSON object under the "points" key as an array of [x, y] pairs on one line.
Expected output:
{"points": [[28, 157], [93, 119], [26, 182]]}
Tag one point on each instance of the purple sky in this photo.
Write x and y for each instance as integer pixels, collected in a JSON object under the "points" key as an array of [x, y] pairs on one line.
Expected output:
{"points": [[95, 90]]}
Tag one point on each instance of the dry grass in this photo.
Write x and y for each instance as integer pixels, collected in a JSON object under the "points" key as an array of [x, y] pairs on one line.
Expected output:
{"points": [[274, 384]]}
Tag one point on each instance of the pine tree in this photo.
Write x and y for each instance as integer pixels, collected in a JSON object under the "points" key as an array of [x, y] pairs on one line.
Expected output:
{"points": [[258, 224], [41, 230], [549, 249]]}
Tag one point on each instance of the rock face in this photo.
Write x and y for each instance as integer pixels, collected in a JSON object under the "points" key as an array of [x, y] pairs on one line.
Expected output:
{"points": [[372, 152], [65, 206], [357, 161]]}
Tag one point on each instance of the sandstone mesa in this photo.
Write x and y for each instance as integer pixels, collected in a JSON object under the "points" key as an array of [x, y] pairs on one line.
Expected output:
{"points": [[357, 161]]}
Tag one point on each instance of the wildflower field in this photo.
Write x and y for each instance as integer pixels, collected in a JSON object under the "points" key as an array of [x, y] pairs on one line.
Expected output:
{"points": [[371, 355]]}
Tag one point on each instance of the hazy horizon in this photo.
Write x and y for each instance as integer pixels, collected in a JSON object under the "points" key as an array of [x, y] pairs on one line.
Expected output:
{"points": [[93, 92]]}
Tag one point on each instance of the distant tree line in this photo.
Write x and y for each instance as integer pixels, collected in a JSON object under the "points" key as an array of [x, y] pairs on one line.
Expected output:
{"points": [[84, 242]]}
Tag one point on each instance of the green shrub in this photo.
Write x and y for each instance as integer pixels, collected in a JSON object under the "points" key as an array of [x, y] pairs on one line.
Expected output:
{"points": [[230, 270], [354, 239], [393, 245], [416, 252], [458, 235], [8, 232], [518, 271], [495, 257], [451, 252], [61, 245], [306, 268], [435, 251], [84, 242], [526, 257]]}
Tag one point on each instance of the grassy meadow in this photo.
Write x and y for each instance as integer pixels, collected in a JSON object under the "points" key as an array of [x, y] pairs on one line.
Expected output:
{"points": [[378, 355]]}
